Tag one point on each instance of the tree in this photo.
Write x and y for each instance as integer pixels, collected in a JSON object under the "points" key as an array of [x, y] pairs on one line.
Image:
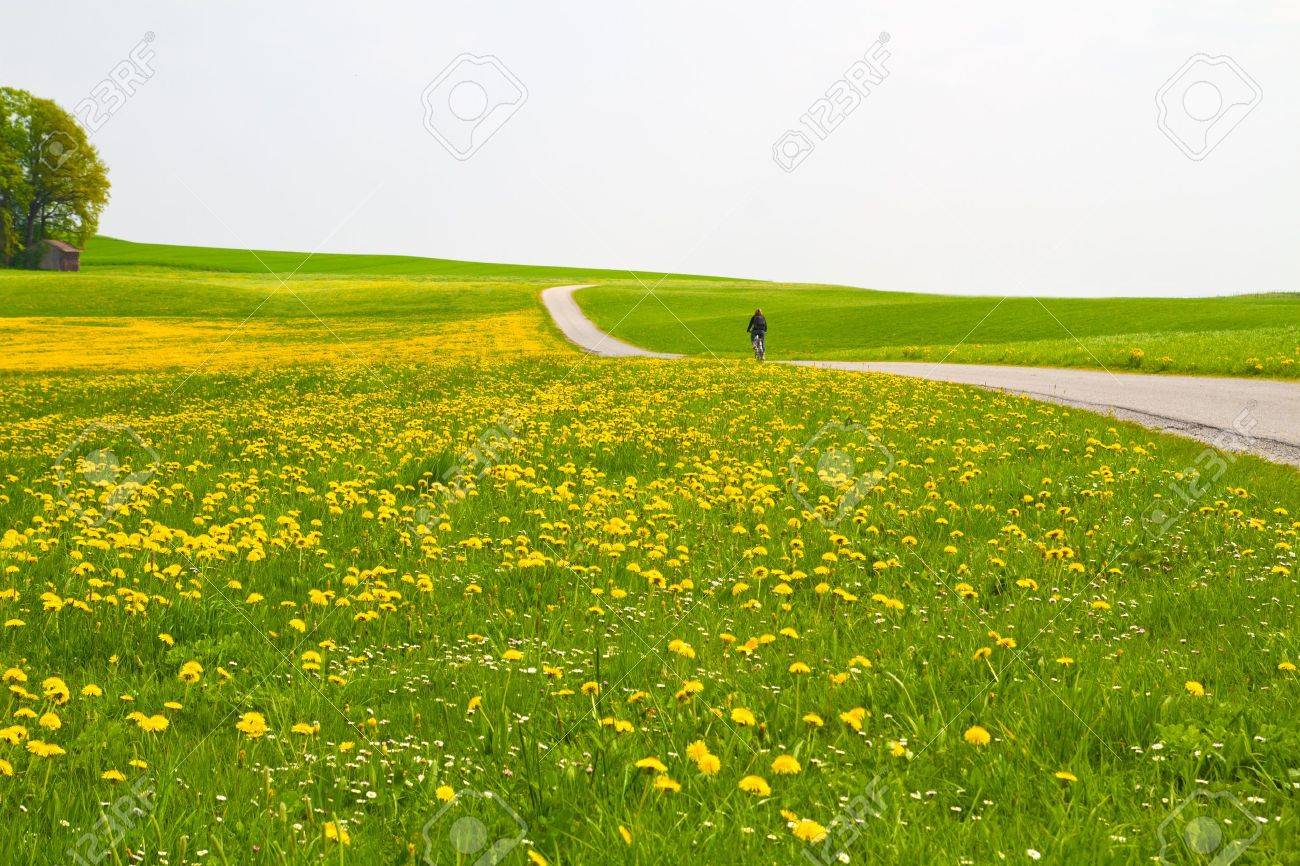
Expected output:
{"points": [[52, 182]]}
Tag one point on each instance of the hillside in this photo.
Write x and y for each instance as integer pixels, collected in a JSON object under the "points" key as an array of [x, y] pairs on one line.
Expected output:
{"points": [[1233, 335]]}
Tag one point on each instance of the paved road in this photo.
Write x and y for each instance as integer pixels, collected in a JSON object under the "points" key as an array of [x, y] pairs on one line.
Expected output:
{"points": [[1261, 416]]}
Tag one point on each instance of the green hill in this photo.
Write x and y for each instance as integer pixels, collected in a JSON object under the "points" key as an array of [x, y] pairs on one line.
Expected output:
{"points": [[105, 252], [1234, 335], [404, 295]]}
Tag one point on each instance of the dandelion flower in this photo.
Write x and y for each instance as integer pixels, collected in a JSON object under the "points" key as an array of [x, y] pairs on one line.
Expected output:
{"points": [[1194, 689], [335, 832], [854, 717], [445, 793], [664, 782], [681, 648], [252, 724], [42, 749], [977, 736], [786, 765], [1066, 776], [808, 830], [755, 785], [743, 717], [56, 690]]}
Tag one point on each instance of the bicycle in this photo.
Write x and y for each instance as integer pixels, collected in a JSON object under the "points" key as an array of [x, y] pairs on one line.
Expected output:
{"points": [[760, 350]]}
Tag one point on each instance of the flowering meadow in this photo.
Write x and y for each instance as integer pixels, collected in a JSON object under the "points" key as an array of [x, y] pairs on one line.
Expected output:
{"points": [[564, 610]]}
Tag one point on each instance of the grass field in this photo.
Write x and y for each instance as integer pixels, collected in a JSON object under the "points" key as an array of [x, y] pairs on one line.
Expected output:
{"points": [[265, 598], [1247, 335]]}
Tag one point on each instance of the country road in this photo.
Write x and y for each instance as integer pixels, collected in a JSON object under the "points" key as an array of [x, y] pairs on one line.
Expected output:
{"points": [[1260, 416]]}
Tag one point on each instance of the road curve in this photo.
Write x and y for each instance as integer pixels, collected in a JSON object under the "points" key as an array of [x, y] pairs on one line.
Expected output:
{"points": [[583, 331], [1260, 416]]}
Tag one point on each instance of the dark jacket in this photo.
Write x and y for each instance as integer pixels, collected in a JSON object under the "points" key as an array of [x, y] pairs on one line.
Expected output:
{"points": [[757, 325]]}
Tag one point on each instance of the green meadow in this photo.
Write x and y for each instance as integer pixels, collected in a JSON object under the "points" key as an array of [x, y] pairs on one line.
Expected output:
{"points": [[294, 568], [1245, 335]]}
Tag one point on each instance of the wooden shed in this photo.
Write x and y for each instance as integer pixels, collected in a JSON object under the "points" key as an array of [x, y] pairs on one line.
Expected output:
{"points": [[59, 256]]}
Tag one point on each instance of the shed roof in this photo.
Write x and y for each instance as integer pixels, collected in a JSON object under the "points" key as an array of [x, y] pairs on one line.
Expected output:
{"points": [[61, 246]]}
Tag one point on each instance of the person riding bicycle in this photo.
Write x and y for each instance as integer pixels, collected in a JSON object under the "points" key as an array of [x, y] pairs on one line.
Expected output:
{"points": [[757, 330]]}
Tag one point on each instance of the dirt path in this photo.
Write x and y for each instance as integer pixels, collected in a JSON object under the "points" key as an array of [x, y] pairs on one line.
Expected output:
{"points": [[1261, 416]]}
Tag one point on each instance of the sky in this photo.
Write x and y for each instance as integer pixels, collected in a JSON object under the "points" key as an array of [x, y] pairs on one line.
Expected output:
{"points": [[1014, 148]]}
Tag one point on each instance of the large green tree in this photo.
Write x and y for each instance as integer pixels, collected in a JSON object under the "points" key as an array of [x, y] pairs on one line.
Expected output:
{"points": [[52, 181]]}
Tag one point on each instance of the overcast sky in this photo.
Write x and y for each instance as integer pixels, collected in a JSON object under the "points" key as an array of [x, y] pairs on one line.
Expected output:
{"points": [[1011, 148]]}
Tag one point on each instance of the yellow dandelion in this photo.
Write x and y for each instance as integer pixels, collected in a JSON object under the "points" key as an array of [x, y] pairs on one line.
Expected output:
{"points": [[808, 830], [252, 725], [42, 749], [335, 832], [854, 717]]}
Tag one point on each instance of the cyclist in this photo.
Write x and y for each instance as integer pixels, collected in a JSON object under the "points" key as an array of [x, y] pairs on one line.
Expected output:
{"points": [[757, 329]]}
